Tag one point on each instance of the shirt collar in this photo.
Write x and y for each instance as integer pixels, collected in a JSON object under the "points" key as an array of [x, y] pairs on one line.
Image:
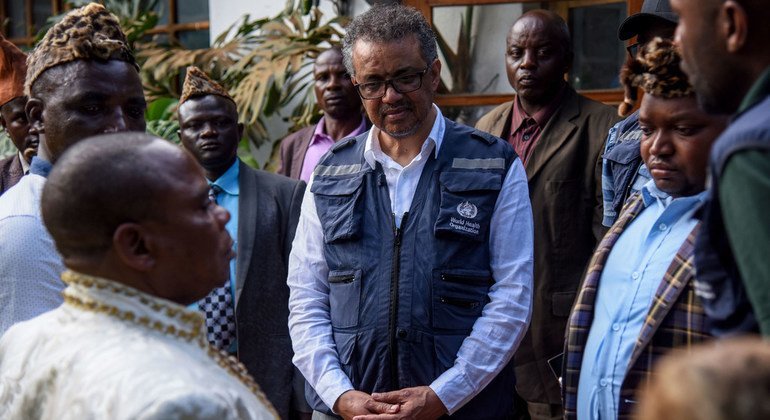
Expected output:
{"points": [[758, 91], [24, 164], [40, 166], [228, 182], [651, 194], [435, 138], [320, 130], [518, 116]]}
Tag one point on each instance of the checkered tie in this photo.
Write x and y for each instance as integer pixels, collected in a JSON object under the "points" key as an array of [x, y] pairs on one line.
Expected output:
{"points": [[218, 306]]}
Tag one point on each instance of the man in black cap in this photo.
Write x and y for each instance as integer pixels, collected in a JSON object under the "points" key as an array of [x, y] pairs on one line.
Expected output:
{"points": [[623, 171]]}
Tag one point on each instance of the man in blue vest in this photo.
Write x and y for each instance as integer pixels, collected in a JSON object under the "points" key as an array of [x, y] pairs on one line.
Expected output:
{"points": [[411, 271], [727, 58]]}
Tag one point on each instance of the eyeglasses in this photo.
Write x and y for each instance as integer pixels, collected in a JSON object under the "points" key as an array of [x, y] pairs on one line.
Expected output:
{"points": [[633, 49], [402, 84]]}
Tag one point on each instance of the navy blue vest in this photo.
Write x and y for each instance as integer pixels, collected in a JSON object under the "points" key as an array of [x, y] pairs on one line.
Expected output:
{"points": [[402, 300], [718, 282]]}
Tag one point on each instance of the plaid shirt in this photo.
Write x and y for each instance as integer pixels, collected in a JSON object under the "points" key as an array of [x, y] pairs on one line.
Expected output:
{"points": [[675, 318]]}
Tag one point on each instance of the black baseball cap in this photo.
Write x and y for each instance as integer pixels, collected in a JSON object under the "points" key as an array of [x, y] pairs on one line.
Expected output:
{"points": [[651, 10]]}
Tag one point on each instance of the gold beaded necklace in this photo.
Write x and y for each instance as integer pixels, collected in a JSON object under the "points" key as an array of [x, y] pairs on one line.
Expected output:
{"points": [[189, 318]]}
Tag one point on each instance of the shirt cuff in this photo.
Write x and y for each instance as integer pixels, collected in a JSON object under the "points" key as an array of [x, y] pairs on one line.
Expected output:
{"points": [[331, 386], [453, 389]]}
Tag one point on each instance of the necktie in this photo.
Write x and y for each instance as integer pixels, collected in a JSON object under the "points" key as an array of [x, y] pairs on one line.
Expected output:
{"points": [[214, 191], [218, 306]]}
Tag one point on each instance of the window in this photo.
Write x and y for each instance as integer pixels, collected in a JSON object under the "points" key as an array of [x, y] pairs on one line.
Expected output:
{"points": [[184, 21], [472, 37], [22, 19]]}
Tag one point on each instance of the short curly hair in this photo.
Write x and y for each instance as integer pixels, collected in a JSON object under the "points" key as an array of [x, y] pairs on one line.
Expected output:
{"points": [[656, 70], [388, 23]]}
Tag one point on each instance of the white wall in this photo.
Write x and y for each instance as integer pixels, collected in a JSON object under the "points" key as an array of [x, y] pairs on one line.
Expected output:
{"points": [[488, 42], [224, 13]]}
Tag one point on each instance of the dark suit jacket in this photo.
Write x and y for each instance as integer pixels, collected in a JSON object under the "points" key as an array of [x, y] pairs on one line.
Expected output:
{"points": [[564, 174], [676, 318], [11, 172], [268, 211], [293, 150]]}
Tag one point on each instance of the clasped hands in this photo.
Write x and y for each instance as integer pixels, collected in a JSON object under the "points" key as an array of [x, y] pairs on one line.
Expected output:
{"points": [[408, 403]]}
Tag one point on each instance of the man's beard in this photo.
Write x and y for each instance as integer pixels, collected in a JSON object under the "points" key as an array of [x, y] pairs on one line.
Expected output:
{"points": [[716, 103], [401, 134], [398, 134]]}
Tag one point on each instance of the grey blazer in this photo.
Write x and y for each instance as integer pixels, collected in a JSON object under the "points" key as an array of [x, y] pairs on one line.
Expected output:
{"points": [[268, 211]]}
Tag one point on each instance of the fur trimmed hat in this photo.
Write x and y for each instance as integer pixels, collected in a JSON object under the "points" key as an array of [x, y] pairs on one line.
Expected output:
{"points": [[197, 83], [656, 70], [13, 69], [87, 33]]}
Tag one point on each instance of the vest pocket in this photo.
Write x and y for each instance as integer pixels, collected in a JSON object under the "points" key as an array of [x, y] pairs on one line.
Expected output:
{"points": [[344, 297], [459, 297], [467, 202], [338, 203], [446, 347], [346, 344]]}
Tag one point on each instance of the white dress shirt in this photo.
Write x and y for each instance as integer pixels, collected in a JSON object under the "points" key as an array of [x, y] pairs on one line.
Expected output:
{"points": [[29, 264], [495, 335]]}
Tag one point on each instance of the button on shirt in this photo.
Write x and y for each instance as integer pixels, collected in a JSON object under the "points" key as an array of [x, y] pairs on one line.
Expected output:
{"points": [[526, 129], [320, 143], [634, 270], [496, 334]]}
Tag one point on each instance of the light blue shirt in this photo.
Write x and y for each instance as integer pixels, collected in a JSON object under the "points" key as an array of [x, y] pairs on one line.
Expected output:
{"points": [[496, 334], [634, 269], [228, 198], [30, 266]]}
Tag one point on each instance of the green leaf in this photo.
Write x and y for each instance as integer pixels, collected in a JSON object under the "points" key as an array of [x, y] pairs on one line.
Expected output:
{"points": [[7, 148], [164, 129], [161, 109]]}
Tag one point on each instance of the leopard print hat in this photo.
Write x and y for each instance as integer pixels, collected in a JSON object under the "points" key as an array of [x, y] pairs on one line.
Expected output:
{"points": [[656, 69], [197, 83], [87, 33]]}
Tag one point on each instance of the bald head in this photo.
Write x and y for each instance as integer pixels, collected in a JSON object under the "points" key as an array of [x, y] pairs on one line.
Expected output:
{"points": [[334, 91], [538, 54], [100, 183], [549, 22]]}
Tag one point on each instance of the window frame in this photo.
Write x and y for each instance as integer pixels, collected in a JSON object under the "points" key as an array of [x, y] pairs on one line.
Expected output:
{"points": [[171, 29], [28, 40]]}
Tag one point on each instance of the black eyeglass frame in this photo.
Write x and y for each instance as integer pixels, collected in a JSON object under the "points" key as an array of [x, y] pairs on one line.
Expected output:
{"points": [[633, 49], [387, 82]]}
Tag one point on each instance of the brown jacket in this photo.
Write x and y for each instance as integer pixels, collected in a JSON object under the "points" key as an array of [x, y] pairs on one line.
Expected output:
{"points": [[11, 172], [293, 150], [564, 174]]}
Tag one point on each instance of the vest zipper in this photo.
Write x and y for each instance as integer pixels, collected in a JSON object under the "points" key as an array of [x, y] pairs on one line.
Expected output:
{"points": [[394, 275]]}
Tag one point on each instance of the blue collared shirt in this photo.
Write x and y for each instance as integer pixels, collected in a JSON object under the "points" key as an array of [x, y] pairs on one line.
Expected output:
{"points": [[228, 198], [634, 269]]}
